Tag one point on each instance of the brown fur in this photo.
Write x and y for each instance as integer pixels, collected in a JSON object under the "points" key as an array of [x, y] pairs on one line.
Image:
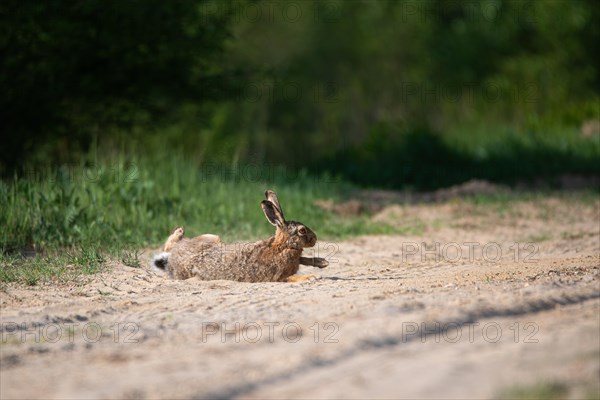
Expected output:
{"points": [[271, 260], [177, 236]]}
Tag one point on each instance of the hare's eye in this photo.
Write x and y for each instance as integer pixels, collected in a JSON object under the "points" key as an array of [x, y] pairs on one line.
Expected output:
{"points": [[302, 231]]}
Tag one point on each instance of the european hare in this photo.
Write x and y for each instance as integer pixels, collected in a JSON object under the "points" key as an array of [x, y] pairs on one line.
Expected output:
{"points": [[275, 259]]}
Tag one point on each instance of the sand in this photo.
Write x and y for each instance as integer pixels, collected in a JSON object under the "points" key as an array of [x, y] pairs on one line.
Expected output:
{"points": [[480, 301]]}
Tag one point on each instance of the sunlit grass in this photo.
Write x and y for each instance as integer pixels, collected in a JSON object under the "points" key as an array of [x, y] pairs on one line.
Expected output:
{"points": [[74, 218], [78, 216]]}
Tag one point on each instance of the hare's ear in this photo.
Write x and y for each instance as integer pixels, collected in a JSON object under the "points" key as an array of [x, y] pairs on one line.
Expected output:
{"points": [[272, 197], [273, 214]]}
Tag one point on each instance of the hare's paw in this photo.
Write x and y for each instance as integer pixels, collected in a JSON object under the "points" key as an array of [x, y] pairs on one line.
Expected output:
{"points": [[301, 278], [178, 233], [175, 237], [314, 262]]}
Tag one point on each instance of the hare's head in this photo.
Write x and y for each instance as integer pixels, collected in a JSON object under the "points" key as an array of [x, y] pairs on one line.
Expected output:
{"points": [[293, 234]]}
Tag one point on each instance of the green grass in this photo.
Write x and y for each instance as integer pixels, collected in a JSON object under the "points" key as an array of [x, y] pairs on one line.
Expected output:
{"points": [[142, 206], [63, 265], [81, 215], [545, 391], [77, 217], [401, 157]]}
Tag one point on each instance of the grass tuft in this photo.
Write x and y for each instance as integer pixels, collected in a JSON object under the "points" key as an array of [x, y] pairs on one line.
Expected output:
{"points": [[544, 391]]}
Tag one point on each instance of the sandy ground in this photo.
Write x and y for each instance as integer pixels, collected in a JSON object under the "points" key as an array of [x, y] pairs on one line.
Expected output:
{"points": [[481, 300]]}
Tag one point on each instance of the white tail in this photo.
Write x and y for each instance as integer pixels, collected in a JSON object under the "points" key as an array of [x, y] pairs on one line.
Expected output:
{"points": [[160, 262]]}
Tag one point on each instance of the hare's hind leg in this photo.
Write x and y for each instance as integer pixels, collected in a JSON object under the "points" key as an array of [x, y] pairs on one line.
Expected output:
{"points": [[174, 238], [301, 278], [208, 238]]}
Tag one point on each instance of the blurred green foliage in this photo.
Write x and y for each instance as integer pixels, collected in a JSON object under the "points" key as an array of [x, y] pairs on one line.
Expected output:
{"points": [[419, 93]]}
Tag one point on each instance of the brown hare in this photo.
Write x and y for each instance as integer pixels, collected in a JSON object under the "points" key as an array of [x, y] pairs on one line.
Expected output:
{"points": [[275, 259]]}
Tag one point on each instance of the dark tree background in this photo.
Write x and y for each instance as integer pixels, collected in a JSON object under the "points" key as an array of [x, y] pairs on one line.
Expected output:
{"points": [[383, 92], [71, 69]]}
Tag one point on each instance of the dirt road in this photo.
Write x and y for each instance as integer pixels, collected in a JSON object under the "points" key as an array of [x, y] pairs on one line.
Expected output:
{"points": [[481, 301]]}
